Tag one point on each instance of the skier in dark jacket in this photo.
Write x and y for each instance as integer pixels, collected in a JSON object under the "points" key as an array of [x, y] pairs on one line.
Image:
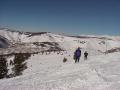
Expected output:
{"points": [[85, 55], [77, 55]]}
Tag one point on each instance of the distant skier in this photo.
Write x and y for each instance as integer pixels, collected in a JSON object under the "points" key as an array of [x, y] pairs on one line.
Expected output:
{"points": [[77, 55], [85, 55]]}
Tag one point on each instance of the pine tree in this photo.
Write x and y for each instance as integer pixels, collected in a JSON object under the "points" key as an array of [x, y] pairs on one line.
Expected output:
{"points": [[19, 63], [3, 67]]}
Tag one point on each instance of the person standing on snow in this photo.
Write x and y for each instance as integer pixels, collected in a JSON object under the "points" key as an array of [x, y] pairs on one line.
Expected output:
{"points": [[85, 55], [77, 55]]}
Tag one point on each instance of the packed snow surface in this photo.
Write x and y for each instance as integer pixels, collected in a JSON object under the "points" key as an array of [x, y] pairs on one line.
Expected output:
{"points": [[48, 72]]}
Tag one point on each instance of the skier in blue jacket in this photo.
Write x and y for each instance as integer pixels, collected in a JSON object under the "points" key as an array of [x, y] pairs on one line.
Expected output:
{"points": [[77, 55]]}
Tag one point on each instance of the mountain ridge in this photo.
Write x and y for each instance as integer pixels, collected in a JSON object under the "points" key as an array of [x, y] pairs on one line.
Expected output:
{"points": [[65, 42]]}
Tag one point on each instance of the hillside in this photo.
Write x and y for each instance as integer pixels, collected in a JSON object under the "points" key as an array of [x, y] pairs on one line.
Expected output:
{"points": [[34, 61], [48, 72], [37, 40]]}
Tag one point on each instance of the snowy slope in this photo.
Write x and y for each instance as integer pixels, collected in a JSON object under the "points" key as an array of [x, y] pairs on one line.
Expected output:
{"points": [[17, 36], [48, 72], [101, 43], [4, 43]]}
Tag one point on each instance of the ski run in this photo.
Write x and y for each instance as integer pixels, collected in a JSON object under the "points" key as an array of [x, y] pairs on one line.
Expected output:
{"points": [[48, 72]]}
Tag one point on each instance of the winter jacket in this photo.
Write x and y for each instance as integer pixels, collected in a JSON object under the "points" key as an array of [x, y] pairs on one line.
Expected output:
{"points": [[78, 53]]}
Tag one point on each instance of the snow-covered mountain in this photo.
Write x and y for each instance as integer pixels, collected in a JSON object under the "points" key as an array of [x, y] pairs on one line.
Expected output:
{"points": [[37, 40], [37, 61], [3, 42]]}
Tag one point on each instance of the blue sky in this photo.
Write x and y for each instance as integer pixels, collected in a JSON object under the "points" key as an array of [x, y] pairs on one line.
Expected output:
{"points": [[62, 16]]}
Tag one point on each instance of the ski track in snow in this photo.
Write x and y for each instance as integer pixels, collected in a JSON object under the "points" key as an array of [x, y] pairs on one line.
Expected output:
{"points": [[99, 72]]}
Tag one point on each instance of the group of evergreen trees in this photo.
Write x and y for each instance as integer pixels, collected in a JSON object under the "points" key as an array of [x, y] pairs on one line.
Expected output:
{"points": [[3, 67], [19, 65]]}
